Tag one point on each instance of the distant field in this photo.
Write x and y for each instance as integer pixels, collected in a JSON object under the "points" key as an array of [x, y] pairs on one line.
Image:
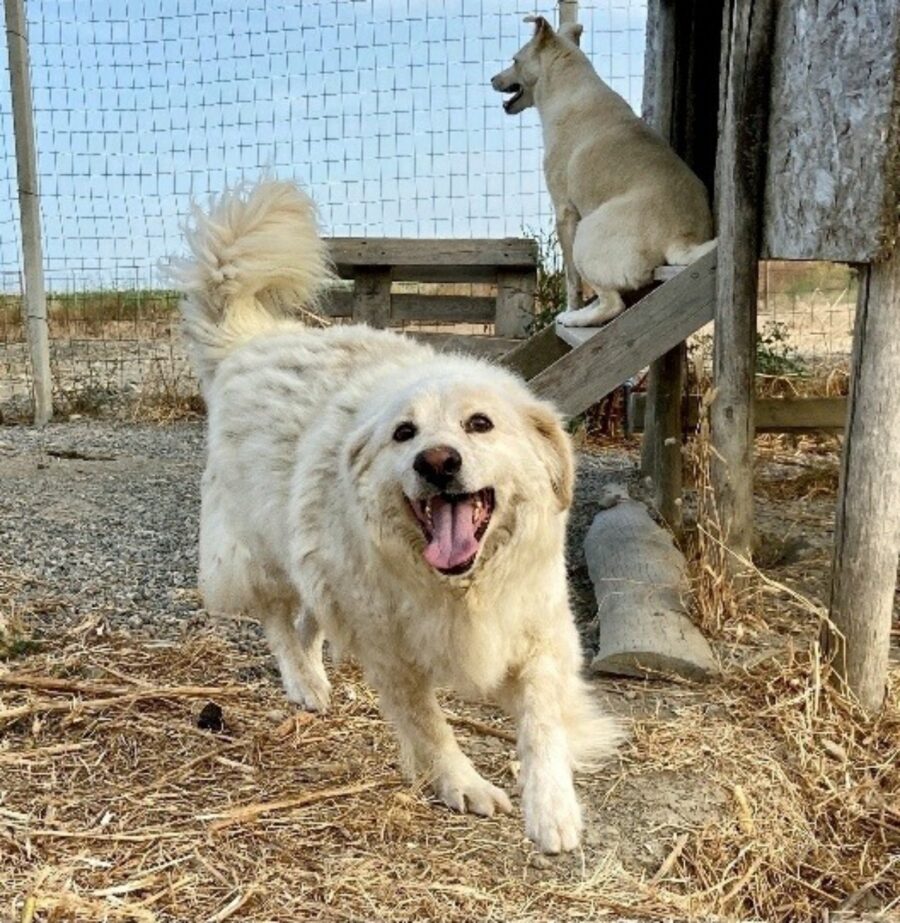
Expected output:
{"points": [[109, 346]]}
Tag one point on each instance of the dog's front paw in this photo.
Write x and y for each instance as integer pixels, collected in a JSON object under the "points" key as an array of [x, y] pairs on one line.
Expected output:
{"points": [[310, 692], [571, 318], [552, 815], [461, 788]]}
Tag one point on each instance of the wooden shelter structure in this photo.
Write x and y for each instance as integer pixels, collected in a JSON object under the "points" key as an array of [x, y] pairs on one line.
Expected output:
{"points": [[790, 111]]}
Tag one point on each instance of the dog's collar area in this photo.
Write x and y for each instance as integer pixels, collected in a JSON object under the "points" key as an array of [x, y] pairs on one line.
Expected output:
{"points": [[453, 526]]}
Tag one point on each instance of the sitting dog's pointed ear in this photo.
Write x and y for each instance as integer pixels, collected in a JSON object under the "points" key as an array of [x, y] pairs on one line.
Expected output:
{"points": [[556, 451], [572, 31], [542, 28]]}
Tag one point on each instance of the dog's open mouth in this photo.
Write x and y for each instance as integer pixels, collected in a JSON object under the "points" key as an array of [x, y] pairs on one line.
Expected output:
{"points": [[453, 526], [517, 90]]}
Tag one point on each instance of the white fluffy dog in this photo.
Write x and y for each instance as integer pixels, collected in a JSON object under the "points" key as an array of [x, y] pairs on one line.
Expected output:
{"points": [[409, 507], [625, 202]]}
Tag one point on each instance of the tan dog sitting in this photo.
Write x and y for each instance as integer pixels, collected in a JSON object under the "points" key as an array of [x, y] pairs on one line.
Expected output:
{"points": [[625, 202]]}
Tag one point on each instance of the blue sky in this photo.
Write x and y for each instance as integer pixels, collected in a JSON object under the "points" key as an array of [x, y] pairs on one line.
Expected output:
{"points": [[381, 108]]}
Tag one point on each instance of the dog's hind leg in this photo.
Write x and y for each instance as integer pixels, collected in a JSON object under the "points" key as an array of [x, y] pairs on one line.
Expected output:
{"points": [[612, 255], [296, 641], [566, 226], [429, 746]]}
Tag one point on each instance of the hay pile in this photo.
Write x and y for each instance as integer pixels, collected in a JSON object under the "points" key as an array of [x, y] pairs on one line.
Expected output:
{"points": [[116, 805]]}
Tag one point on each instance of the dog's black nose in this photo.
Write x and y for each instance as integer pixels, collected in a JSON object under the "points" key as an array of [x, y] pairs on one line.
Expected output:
{"points": [[438, 465]]}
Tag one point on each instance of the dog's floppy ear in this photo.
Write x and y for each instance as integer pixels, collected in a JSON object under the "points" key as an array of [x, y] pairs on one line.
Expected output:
{"points": [[356, 458], [572, 31], [542, 28], [556, 451]]}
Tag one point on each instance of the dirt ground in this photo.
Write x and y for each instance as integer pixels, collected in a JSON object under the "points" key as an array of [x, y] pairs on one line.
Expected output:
{"points": [[119, 800]]}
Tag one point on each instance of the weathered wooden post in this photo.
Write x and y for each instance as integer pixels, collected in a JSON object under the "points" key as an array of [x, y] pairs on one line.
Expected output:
{"points": [[661, 447], [867, 530], [680, 101], [568, 11], [744, 91], [35, 300]]}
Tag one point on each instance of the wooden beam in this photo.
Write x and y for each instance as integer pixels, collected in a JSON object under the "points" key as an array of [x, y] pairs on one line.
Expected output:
{"points": [[867, 528], [770, 414], [372, 296], [515, 302], [746, 39], [485, 346], [537, 353], [451, 309], [627, 344], [440, 260]]}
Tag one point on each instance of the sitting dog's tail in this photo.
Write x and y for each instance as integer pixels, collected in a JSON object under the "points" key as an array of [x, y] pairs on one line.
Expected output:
{"points": [[256, 257], [683, 254]]}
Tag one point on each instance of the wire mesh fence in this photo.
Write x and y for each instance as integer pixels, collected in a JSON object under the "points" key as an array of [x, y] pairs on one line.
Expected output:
{"points": [[381, 108]]}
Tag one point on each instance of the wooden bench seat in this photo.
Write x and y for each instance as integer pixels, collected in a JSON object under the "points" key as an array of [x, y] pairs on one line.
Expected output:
{"points": [[374, 264]]}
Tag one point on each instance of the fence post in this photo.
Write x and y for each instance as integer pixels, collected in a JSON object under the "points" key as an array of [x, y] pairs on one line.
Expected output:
{"points": [[568, 11], [35, 300]]}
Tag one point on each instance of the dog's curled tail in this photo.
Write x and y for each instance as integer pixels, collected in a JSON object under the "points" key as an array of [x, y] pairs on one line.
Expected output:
{"points": [[683, 254], [255, 256]]}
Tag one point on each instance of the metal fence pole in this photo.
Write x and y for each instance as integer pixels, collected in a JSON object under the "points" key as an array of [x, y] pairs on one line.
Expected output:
{"points": [[35, 300], [568, 11]]}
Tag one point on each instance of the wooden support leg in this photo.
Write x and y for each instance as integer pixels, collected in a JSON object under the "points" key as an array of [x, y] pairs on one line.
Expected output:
{"points": [[747, 34], [661, 457], [372, 296], [867, 530], [515, 303]]}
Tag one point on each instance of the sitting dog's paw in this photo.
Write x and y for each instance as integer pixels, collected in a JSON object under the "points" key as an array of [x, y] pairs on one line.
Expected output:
{"points": [[552, 815], [579, 318], [462, 789]]}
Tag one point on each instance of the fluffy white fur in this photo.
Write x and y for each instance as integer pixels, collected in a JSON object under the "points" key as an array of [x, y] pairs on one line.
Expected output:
{"points": [[625, 202], [306, 520]]}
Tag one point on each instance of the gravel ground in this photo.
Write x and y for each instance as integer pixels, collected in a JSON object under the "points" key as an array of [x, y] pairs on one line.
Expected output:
{"points": [[103, 516]]}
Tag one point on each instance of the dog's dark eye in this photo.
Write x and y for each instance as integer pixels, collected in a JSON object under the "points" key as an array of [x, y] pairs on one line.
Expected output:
{"points": [[478, 423], [405, 431]]}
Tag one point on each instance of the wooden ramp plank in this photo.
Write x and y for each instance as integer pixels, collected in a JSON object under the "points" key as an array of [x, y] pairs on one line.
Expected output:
{"points": [[575, 336], [624, 346]]}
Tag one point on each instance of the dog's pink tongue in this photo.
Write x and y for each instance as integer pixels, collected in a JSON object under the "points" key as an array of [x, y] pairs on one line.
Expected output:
{"points": [[453, 541]]}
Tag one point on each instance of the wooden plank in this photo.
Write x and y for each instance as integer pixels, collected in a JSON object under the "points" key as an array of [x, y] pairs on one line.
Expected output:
{"points": [[771, 414], [372, 296], [515, 302], [746, 55], [575, 336], [537, 353], [833, 177], [414, 259], [627, 344], [35, 300], [487, 347], [867, 526], [456, 309]]}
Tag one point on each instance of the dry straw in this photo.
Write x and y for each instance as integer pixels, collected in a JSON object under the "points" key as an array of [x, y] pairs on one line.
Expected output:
{"points": [[115, 805]]}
